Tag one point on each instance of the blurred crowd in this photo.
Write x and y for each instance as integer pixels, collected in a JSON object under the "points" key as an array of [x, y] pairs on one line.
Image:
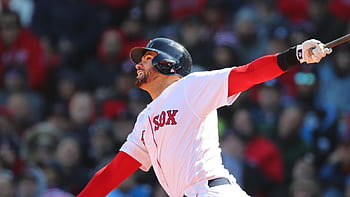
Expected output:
{"points": [[67, 98]]}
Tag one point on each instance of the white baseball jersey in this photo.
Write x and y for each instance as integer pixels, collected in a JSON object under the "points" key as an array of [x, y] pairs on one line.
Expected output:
{"points": [[177, 133]]}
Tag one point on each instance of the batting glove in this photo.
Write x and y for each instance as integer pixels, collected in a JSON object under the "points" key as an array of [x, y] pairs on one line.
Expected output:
{"points": [[311, 51]]}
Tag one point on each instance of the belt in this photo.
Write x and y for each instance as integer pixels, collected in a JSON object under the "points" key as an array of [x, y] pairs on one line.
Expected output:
{"points": [[217, 182]]}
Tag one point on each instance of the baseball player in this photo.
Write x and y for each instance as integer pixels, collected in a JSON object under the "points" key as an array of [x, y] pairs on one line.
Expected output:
{"points": [[177, 132]]}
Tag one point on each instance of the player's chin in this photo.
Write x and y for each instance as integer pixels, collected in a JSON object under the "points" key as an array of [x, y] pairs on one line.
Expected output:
{"points": [[139, 82]]}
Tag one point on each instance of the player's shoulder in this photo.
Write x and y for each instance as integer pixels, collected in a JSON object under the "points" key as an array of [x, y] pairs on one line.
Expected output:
{"points": [[207, 73]]}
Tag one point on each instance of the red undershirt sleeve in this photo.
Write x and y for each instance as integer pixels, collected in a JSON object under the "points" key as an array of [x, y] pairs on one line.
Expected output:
{"points": [[110, 176], [260, 70]]}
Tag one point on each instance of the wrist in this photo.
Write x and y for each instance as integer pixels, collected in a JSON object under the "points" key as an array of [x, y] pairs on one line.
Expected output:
{"points": [[299, 52], [288, 58]]}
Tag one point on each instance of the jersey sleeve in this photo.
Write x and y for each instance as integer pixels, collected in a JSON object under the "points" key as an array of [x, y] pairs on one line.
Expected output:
{"points": [[260, 70], [208, 90], [135, 148], [110, 176]]}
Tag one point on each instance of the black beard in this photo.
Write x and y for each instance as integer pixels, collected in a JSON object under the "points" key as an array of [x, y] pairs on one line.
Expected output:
{"points": [[139, 82], [147, 77]]}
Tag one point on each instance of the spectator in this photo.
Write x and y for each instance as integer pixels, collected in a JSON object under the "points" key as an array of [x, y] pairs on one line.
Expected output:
{"points": [[181, 9], [298, 33], [137, 101], [69, 157], [156, 15], [41, 143], [334, 79], [295, 12], [215, 16], [114, 100], [107, 63], [194, 36], [251, 42], [304, 168], [7, 127], [121, 98], [10, 157], [304, 188], [247, 175], [16, 81], [258, 149], [288, 138], [120, 90], [269, 18], [66, 84], [320, 120], [101, 145], [334, 172], [224, 55], [24, 8], [322, 20], [58, 117], [20, 47], [52, 59], [29, 185], [22, 111], [53, 174], [304, 178], [51, 55], [7, 184], [74, 32], [82, 114], [113, 12], [132, 29], [278, 42], [340, 9], [268, 107], [122, 126]]}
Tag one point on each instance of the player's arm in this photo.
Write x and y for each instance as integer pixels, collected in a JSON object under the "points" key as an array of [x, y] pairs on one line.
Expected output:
{"points": [[260, 70], [111, 175], [271, 66]]}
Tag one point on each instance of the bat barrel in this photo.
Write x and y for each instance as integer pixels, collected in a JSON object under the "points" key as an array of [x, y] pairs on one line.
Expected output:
{"points": [[338, 41]]}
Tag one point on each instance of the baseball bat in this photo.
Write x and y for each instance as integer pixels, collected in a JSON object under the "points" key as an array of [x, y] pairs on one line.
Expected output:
{"points": [[338, 41]]}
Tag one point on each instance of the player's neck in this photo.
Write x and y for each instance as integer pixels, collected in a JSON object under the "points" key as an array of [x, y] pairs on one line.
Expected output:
{"points": [[156, 88]]}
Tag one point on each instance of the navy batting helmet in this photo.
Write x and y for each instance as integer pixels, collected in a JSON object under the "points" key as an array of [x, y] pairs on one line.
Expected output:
{"points": [[172, 58]]}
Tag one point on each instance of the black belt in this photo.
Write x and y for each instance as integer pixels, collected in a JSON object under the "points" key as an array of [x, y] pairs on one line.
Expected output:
{"points": [[217, 182]]}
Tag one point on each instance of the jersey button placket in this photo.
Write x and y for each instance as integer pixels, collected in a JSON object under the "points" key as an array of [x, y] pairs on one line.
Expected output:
{"points": [[157, 153]]}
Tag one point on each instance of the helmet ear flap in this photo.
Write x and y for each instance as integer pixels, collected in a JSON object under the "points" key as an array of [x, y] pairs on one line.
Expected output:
{"points": [[165, 64]]}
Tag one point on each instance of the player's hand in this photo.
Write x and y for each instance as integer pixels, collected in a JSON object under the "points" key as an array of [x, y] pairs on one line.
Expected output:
{"points": [[311, 51]]}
